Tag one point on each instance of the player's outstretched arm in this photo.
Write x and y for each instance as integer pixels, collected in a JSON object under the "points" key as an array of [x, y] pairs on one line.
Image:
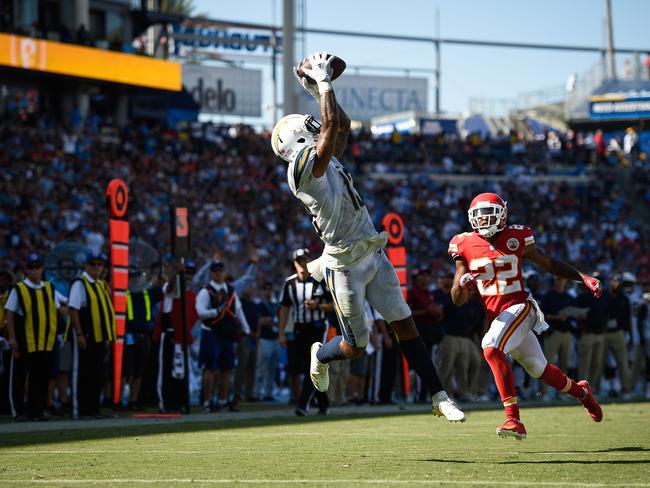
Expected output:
{"points": [[560, 268], [459, 290], [321, 73]]}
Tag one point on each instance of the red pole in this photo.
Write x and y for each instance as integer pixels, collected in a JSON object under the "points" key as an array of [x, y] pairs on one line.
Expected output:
{"points": [[396, 251], [118, 196]]}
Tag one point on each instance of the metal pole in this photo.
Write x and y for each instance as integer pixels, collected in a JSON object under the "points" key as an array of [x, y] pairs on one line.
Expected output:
{"points": [[290, 105], [186, 365], [437, 107], [438, 63], [274, 77], [611, 65]]}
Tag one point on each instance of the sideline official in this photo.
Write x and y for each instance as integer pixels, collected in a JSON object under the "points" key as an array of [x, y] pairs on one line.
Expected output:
{"points": [[308, 301], [93, 319], [31, 314]]}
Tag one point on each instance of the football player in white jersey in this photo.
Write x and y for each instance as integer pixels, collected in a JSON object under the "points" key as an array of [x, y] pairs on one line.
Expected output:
{"points": [[353, 262]]}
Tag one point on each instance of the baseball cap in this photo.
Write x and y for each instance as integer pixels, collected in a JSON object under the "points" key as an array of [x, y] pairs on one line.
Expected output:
{"points": [[91, 257], [189, 264], [299, 253], [217, 265], [421, 270], [628, 277], [34, 259]]}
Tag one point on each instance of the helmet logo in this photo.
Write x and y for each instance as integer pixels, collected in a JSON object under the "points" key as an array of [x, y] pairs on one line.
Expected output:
{"points": [[512, 244]]}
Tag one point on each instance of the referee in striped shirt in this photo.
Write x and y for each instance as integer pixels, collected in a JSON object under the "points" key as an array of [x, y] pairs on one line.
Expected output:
{"points": [[306, 302]]}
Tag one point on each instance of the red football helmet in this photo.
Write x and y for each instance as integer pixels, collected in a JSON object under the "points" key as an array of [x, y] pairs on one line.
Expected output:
{"points": [[487, 214]]}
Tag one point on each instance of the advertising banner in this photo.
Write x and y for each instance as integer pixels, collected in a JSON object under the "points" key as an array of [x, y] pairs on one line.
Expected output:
{"points": [[602, 108], [85, 62], [210, 38], [365, 97], [226, 91]]}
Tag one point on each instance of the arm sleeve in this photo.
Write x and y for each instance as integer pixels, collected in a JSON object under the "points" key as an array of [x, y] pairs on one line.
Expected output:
{"points": [[77, 295], [528, 236], [203, 309], [247, 280], [239, 311], [202, 276], [12, 301], [285, 299], [454, 249], [59, 299]]}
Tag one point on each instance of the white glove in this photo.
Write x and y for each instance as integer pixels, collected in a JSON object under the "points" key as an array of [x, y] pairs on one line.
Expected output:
{"points": [[467, 280], [311, 88], [321, 70]]}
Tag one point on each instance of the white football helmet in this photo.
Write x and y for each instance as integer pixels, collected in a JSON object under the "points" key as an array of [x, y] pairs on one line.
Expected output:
{"points": [[487, 214], [292, 133]]}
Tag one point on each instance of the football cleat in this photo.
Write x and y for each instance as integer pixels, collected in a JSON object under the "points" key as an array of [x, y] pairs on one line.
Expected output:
{"points": [[590, 403], [512, 428], [443, 406], [318, 372]]}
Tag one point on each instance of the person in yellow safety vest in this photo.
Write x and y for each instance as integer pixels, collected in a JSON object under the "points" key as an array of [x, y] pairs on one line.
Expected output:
{"points": [[93, 319], [31, 315], [6, 282], [141, 303]]}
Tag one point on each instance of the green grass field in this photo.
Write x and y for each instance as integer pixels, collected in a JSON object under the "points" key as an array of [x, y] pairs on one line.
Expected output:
{"points": [[564, 448]]}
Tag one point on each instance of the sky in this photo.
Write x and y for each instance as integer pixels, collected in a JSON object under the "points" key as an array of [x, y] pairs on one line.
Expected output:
{"points": [[467, 71]]}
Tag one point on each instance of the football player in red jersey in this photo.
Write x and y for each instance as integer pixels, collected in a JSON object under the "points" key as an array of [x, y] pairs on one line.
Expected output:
{"points": [[490, 259]]}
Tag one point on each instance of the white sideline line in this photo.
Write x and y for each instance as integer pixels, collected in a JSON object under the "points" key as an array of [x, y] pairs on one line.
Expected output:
{"points": [[324, 481]]}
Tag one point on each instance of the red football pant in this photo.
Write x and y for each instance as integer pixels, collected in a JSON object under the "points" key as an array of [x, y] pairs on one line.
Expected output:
{"points": [[504, 379]]}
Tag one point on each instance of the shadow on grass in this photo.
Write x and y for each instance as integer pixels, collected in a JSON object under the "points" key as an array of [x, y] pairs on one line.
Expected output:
{"points": [[562, 461], [549, 461], [96, 432]]}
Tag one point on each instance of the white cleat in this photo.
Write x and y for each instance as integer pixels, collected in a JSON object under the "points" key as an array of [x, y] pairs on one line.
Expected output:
{"points": [[443, 406], [318, 372]]}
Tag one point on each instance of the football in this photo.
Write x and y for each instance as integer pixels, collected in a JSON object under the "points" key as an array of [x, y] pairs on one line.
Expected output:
{"points": [[338, 67]]}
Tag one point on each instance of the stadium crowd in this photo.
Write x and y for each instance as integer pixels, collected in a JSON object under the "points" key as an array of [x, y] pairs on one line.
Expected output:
{"points": [[566, 187]]}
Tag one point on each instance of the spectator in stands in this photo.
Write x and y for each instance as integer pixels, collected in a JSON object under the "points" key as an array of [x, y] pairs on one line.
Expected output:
{"points": [[558, 342], [631, 144], [81, 36]]}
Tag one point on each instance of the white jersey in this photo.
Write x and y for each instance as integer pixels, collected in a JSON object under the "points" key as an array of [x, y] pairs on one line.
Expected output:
{"points": [[338, 212]]}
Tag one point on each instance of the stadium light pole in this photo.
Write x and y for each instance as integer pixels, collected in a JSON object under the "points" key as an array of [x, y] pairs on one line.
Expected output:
{"points": [[611, 65], [438, 63], [288, 28]]}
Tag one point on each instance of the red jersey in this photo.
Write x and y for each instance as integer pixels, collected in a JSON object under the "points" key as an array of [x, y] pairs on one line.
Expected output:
{"points": [[496, 265]]}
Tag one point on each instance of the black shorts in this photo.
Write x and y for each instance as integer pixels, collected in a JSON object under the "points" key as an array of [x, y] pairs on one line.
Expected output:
{"points": [[136, 356], [298, 350]]}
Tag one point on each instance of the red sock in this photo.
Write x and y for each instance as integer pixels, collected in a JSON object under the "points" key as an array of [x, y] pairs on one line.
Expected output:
{"points": [[553, 376], [504, 379]]}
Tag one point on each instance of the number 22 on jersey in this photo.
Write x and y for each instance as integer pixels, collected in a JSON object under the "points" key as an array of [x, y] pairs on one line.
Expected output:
{"points": [[496, 276]]}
